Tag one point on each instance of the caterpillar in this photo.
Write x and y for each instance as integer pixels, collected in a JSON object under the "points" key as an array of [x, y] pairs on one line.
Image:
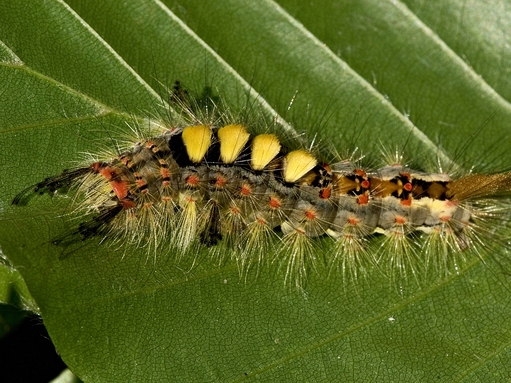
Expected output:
{"points": [[220, 186]]}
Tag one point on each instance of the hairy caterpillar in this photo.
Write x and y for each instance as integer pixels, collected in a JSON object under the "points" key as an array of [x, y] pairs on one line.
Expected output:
{"points": [[219, 185]]}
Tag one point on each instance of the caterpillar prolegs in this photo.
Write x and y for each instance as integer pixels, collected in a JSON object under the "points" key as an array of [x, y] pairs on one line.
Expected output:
{"points": [[222, 186]]}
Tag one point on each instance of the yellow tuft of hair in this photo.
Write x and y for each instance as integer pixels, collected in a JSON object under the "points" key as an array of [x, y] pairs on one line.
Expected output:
{"points": [[232, 141], [297, 164], [197, 140], [265, 148], [187, 219]]}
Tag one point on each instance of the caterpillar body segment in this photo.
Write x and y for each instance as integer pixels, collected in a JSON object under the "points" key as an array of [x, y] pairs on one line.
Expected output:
{"points": [[206, 184]]}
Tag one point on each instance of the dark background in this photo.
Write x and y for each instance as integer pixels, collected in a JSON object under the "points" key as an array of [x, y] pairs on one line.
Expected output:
{"points": [[27, 354]]}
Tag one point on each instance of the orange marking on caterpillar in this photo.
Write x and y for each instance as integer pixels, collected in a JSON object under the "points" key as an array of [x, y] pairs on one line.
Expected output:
{"points": [[192, 180], [310, 215], [245, 190], [120, 188], [164, 172], [190, 199], [220, 181], [363, 199], [325, 193], [400, 220], [128, 204], [275, 202], [407, 202], [97, 166]]}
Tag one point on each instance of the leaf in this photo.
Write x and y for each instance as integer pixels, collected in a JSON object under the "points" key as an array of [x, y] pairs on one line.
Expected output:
{"points": [[360, 73], [15, 299], [13, 290]]}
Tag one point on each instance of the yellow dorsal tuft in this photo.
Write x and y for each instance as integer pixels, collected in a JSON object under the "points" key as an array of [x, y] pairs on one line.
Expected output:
{"points": [[265, 148], [197, 140], [232, 140], [297, 164]]}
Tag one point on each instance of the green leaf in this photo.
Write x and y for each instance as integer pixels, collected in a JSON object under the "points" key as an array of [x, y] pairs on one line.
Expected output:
{"points": [[367, 73], [13, 290], [15, 299]]}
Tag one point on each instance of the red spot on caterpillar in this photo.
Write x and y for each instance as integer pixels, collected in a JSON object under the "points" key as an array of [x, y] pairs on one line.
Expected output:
{"points": [[360, 172], [363, 199], [408, 187], [353, 221], [400, 220], [140, 183], [97, 166], [245, 190], [365, 184], [325, 193], [235, 210], [327, 168], [407, 202], [119, 187], [190, 199], [310, 214], [192, 180], [128, 204], [220, 181], [165, 174], [275, 202]]}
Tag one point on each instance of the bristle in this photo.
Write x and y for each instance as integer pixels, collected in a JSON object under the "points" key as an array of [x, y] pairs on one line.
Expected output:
{"points": [[352, 256], [188, 218], [256, 243], [398, 255], [298, 254], [479, 185]]}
